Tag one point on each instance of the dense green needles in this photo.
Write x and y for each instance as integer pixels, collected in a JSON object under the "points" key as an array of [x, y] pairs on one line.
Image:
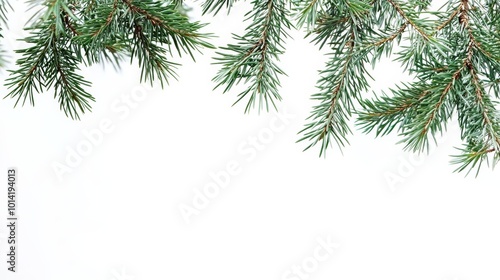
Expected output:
{"points": [[452, 53], [69, 33], [253, 57]]}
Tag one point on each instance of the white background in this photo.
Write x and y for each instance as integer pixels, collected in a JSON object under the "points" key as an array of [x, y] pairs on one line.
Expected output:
{"points": [[115, 215]]}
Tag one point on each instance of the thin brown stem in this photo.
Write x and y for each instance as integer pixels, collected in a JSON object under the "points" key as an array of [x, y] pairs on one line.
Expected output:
{"points": [[405, 16], [70, 25], [336, 90], [263, 43], [109, 18], [450, 18], [393, 36], [464, 20], [406, 104]]}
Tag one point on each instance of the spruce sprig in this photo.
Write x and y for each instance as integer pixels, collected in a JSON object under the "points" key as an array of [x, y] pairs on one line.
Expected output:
{"points": [[452, 55], [253, 58], [68, 33], [51, 62], [458, 79], [343, 77]]}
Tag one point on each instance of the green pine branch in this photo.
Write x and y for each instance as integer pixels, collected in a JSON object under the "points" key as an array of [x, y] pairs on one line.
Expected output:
{"points": [[344, 76], [452, 81], [452, 54], [253, 58], [50, 62], [69, 33]]}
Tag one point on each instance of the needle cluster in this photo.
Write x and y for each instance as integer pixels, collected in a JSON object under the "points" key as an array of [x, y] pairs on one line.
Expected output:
{"points": [[452, 53]]}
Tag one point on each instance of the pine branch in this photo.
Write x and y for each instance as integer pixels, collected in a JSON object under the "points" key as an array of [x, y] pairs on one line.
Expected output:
{"points": [[385, 113], [431, 116], [479, 121], [101, 37], [168, 25], [68, 85], [445, 83], [68, 33], [452, 53], [151, 57], [50, 63], [29, 77], [342, 79], [329, 119], [253, 58]]}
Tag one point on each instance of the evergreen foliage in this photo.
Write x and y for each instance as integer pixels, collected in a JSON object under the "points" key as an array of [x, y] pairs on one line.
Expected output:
{"points": [[452, 53]]}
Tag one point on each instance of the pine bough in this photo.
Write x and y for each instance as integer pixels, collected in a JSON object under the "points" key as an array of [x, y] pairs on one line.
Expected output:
{"points": [[452, 53]]}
